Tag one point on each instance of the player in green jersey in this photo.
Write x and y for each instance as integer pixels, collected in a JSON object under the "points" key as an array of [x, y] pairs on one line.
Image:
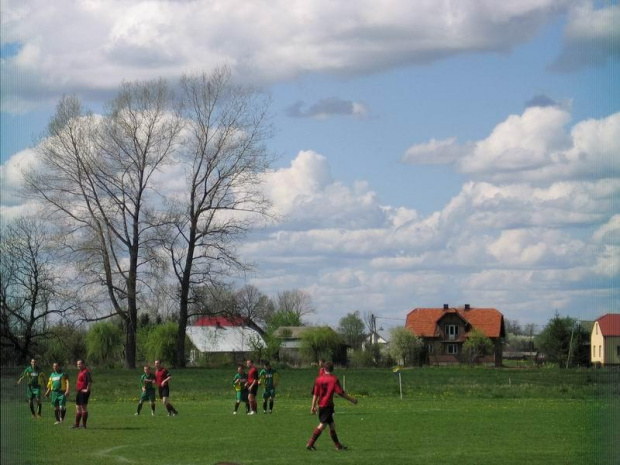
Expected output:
{"points": [[269, 378], [36, 381], [58, 386], [147, 383], [240, 382]]}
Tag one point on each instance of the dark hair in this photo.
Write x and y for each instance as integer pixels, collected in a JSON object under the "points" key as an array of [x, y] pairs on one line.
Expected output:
{"points": [[266, 363], [329, 366], [240, 365]]}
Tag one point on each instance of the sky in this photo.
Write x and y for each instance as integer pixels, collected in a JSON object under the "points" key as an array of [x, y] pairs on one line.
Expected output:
{"points": [[428, 152]]}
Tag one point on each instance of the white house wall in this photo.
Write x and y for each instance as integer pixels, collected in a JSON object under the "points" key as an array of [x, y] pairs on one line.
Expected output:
{"points": [[224, 339]]}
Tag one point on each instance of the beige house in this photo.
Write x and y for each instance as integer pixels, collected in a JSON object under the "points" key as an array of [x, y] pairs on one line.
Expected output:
{"points": [[605, 340]]}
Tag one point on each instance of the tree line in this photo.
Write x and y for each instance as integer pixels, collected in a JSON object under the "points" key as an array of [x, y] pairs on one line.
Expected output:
{"points": [[156, 192]]}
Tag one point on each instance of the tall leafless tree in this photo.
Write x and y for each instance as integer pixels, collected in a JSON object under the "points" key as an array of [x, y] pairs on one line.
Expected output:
{"points": [[224, 155], [32, 291], [95, 175], [296, 301]]}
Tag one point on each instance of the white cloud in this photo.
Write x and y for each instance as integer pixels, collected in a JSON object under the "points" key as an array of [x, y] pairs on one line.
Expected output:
{"points": [[264, 40], [591, 37]]}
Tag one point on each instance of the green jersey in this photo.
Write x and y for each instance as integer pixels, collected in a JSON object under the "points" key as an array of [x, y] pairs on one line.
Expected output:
{"points": [[239, 381], [268, 378], [35, 377], [148, 382], [58, 382]]}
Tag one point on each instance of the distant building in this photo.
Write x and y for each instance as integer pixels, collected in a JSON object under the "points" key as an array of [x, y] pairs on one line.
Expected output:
{"points": [[236, 337], [291, 337], [444, 330], [605, 340]]}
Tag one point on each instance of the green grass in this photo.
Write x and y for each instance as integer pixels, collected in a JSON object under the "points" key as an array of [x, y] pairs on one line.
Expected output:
{"points": [[447, 415]]}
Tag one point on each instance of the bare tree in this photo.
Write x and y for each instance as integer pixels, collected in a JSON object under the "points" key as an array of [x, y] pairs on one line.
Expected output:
{"points": [[31, 289], [254, 305], [295, 301], [224, 156], [96, 176]]}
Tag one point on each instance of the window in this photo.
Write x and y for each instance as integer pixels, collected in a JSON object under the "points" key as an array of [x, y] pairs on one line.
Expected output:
{"points": [[618, 351], [430, 348], [596, 328], [593, 351], [452, 331], [452, 349], [599, 351]]}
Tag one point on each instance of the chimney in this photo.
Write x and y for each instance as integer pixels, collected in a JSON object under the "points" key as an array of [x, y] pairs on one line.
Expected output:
{"points": [[445, 306], [467, 307]]}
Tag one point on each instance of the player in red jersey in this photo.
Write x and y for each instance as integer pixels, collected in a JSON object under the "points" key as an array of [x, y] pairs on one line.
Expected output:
{"points": [[82, 386], [252, 385], [162, 379], [325, 386]]}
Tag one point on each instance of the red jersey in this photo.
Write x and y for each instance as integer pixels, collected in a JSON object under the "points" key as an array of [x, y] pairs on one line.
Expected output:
{"points": [[252, 375], [161, 375], [83, 379], [325, 386], [321, 371]]}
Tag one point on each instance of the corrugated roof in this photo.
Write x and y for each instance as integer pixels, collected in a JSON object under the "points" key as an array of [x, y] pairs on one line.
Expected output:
{"points": [[224, 339], [610, 324], [220, 321], [423, 321]]}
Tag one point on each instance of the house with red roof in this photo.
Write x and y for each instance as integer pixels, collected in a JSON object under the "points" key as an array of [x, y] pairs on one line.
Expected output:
{"points": [[605, 340], [444, 330], [232, 337]]}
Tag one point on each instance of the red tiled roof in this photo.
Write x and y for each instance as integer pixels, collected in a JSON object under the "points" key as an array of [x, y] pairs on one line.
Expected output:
{"points": [[219, 321], [610, 324], [423, 321]]}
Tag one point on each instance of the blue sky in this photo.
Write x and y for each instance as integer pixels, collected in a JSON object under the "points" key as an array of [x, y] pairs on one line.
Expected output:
{"points": [[429, 152]]}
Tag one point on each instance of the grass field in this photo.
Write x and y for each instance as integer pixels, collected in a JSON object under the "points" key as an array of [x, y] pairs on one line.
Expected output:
{"points": [[447, 415]]}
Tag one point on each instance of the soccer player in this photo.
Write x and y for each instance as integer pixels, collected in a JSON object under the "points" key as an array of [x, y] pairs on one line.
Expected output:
{"points": [[36, 380], [82, 385], [325, 386], [240, 383], [58, 385], [147, 383], [252, 385], [162, 379], [269, 379]]}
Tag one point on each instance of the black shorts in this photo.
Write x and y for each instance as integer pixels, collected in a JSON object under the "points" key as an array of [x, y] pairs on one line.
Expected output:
{"points": [[81, 398], [326, 414], [164, 391], [253, 390]]}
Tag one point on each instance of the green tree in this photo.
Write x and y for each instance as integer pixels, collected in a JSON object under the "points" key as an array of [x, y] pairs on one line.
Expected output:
{"points": [[65, 344], [351, 328], [161, 342], [319, 342], [404, 345], [560, 339], [477, 346], [104, 343], [282, 318]]}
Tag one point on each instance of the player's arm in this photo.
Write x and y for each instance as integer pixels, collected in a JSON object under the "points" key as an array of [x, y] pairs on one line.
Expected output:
{"points": [[89, 381], [165, 381], [65, 380], [351, 399], [22, 376], [315, 400]]}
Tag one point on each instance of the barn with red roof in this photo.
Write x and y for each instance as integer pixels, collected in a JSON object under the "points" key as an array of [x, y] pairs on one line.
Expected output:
{"points": [[605, 340], [444, 330], [233, 337]]}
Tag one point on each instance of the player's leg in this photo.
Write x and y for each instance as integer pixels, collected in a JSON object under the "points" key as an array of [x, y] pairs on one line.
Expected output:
{"points": [[78, 412], [315, 436], [139, 407], [39, 404], [153, 407], [271, 399], [265, 397], [31, 405], [334, 436]]}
